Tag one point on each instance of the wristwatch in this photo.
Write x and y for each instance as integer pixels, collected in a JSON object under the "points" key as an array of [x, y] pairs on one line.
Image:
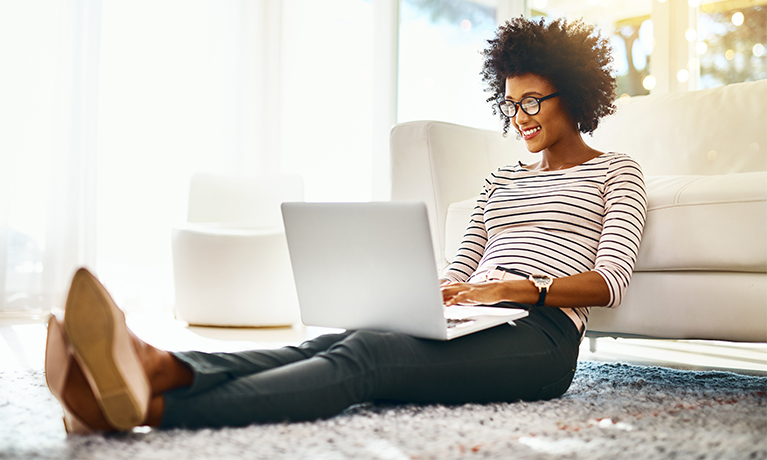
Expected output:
{"points": [[543, 283]]}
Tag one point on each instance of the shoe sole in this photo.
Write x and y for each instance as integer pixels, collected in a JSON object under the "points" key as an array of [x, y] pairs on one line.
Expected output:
{"points": [[56, 359], [105, 352], [57, 363]]}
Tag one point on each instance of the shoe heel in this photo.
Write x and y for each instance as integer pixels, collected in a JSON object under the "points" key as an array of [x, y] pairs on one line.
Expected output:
{"points": [[74, 425]]}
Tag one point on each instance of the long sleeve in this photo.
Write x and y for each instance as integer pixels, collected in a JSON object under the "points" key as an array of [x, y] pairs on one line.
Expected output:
{"points": [[622, 225], [474, 240]]}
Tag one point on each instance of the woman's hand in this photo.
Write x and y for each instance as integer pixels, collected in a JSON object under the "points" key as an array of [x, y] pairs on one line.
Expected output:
{"points": [[582, 290], [486, 293]]}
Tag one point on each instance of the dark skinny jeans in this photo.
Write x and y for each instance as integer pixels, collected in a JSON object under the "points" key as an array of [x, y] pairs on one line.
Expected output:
{"points": [[534, 359]]}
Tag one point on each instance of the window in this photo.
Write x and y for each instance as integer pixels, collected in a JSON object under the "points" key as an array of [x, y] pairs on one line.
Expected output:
{"points": [[731, 41], [326, 97], [226, 87], [666, 45], [627, 24], [440, 60]]}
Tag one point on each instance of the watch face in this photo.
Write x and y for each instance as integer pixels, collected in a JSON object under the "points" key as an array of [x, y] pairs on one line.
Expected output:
{"points": [[541, 280]]}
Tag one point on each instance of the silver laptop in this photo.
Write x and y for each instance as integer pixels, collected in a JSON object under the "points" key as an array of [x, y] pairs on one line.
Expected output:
{"points": [[372, 266]]}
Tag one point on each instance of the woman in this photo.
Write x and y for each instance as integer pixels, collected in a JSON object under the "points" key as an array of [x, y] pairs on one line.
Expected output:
{"points": [[561, 234]]}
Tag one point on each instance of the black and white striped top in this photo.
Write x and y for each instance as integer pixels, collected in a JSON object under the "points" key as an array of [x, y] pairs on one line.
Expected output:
{"points": [[560, 223]]}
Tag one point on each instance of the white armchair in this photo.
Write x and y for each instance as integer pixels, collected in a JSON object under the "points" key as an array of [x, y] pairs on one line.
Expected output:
{"points": [[230, 260]]}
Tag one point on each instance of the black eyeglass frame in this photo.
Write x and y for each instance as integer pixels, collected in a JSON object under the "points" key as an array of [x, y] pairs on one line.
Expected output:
{"points": [[518, 105]]}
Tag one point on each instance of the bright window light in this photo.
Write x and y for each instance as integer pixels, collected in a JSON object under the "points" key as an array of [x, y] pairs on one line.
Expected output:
{"points": [[439, 55], [648, 82]]}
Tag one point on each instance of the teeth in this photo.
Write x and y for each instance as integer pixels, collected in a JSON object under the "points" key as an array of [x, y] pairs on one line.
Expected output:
{"points": [[531, 131]]}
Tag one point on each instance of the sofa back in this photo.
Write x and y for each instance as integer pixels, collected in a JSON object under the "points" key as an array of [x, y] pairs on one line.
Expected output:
{"points": [[440, 163], [714, 131], [708, 132]]}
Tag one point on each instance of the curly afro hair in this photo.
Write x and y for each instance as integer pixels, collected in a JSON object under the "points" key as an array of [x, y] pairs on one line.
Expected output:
{"points": [[572, 56]]}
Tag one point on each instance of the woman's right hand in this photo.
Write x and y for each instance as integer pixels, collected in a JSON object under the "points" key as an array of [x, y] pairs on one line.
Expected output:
{"points": [[486, 293]]}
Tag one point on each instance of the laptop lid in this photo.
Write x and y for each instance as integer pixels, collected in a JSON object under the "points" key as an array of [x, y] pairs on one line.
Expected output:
{"points": [[365, 266]]}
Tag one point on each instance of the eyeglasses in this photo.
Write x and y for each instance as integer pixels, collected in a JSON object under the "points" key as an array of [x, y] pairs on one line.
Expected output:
{"points": [[530, 105]]}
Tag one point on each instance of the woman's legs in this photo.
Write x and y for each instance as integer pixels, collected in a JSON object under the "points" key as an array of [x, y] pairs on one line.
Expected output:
{"points": [[533, 360], [166, 372], [111, 363], [220, 367], [172, 372]]}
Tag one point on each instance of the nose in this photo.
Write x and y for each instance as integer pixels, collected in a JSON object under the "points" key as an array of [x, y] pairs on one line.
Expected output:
{"points": [[521, 116]]}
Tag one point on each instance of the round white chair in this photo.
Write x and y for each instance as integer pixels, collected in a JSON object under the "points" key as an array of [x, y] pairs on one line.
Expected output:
{"points": [[230, 260]]}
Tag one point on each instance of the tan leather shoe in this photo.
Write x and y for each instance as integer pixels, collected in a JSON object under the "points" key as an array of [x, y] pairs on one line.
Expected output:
{"points": [[58, 360], [102, 346]]}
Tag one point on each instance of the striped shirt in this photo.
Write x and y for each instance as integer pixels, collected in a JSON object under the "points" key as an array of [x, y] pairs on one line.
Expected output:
{"points": [[559, 223]]}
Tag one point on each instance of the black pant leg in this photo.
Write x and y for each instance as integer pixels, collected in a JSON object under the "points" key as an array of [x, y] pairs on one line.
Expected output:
{"points": [[212, 369], [534, 359]]}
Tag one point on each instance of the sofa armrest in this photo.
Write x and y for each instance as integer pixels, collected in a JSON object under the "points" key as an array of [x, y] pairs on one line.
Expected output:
{"points": [[440, 163]]}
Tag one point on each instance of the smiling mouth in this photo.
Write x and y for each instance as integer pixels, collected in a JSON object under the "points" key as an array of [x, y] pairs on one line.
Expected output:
{"points": [[529, 133]]}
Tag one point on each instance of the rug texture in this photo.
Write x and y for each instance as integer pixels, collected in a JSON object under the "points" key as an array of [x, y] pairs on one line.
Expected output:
{"points": [[611, 411]]}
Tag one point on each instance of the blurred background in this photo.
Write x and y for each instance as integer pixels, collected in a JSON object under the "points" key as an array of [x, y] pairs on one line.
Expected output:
{"points": [[107, 107]]}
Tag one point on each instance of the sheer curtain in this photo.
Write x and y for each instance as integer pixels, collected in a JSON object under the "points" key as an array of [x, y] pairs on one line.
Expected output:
{"points": [[183, 89], [109, 106], [49, 53]]}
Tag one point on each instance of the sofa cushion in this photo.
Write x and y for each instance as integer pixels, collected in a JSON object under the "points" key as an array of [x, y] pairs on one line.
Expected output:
{"points": [[705, 223], [456, 222]]}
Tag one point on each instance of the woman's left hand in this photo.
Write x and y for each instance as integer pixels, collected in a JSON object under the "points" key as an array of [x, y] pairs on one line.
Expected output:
{"points": [[486, 293]]}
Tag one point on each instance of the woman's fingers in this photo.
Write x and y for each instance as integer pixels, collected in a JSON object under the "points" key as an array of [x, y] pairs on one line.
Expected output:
{"points": [[454, 294], [450, 291], [483, 293]]}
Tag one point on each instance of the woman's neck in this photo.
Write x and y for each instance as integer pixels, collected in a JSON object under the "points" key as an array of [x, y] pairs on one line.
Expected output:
{"points": [[566, 154]]}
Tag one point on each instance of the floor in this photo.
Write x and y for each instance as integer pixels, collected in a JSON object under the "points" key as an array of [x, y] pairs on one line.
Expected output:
{"points": [[22, 345]]}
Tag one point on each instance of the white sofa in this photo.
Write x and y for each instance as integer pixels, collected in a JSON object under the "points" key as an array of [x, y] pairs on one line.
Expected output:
{"points": [[702, 266]]}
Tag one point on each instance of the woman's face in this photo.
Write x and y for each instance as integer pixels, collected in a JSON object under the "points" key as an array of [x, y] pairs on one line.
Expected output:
{"points": [[551, 125]]}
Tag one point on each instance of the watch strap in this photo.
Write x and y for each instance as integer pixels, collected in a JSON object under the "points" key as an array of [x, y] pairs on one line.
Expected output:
{"points": [[543, 291]]}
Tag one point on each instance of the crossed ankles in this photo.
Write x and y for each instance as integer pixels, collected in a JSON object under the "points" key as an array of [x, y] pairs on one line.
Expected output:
{"points": [[92, 357], [99, 371]]}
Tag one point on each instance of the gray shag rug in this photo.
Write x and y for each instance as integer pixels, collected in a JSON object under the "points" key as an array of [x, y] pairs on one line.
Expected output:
{"points": [[611, 411]]}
